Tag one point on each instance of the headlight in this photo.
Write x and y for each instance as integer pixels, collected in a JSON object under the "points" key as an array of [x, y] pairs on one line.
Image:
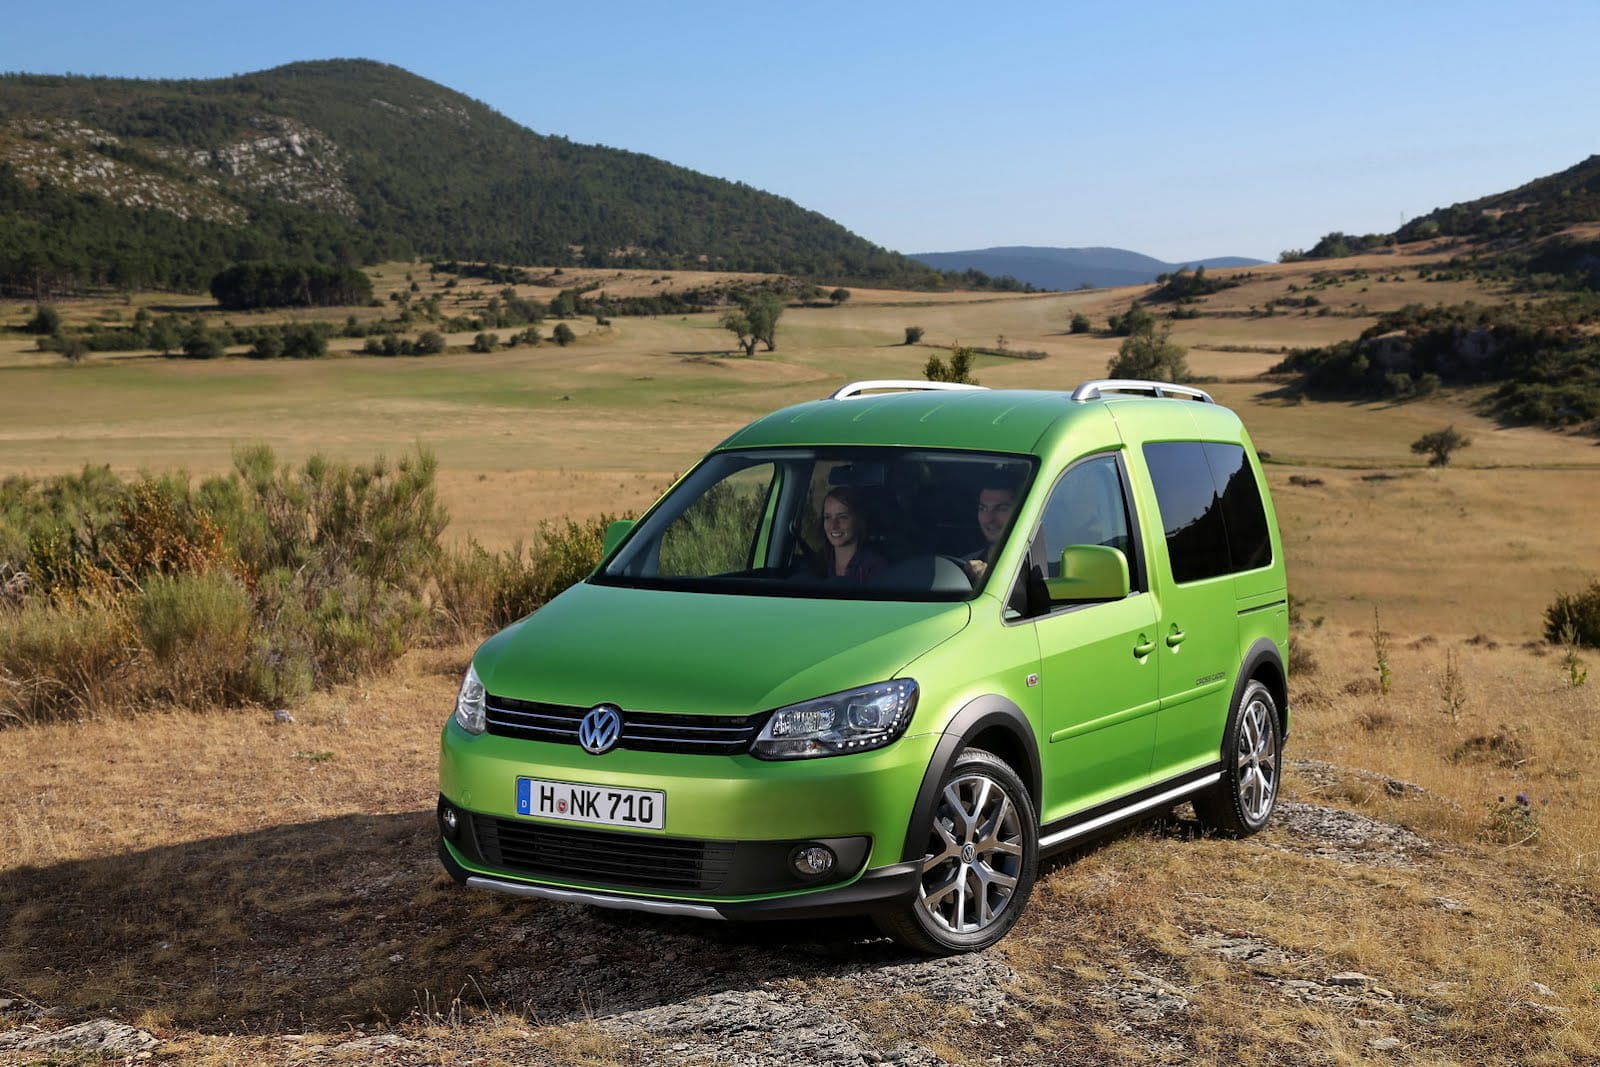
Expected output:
{"points": [[853, 721], [469, 703]]}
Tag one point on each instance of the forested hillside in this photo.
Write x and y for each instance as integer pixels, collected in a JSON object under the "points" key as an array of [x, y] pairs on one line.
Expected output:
{"points": [[163, 183]]}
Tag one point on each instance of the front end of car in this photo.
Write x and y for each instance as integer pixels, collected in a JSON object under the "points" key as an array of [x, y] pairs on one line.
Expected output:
{"points": [[707, 800]]}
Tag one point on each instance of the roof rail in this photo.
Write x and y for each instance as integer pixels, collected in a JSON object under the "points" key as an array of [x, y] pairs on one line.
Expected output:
{"points": [[903, 385], [1094, 390]]}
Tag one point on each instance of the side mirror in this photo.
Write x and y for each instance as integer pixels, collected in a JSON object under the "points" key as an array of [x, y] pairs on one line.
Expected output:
{"points": [[615, 532], [1090, 572]]}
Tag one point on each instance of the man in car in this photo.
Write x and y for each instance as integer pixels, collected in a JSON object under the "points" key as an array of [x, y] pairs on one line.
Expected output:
{"points": [[995, 504]]}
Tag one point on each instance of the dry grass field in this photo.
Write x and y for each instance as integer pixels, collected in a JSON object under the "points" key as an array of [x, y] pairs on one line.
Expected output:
{"points": [[256, 892]]}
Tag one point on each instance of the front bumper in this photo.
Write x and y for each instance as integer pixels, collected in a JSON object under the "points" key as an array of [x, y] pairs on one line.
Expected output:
{"points": [[875, 890], [730, 826]]}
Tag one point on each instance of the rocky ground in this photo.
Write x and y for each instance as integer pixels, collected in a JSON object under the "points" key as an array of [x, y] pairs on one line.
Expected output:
{"points": [[571, 985]]}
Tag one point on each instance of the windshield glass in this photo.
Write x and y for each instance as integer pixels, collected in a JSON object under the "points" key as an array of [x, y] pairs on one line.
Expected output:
{"points": [[864, 523]]}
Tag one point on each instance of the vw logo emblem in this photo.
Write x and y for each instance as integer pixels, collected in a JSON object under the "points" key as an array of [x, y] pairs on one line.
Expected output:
{"points": [[600, 729]]}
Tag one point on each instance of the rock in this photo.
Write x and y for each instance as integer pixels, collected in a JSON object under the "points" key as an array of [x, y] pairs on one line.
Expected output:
{"points": [[98, 1035], [375, 1043], [282, 716], [1350, 978], [1384, 1044], [1452, 904], [1348, 837], [1541, 989], [1252, 950]]}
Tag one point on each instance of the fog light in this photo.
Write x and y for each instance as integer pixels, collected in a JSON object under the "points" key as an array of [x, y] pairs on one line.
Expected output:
{"points": [[809, 861], [449, 820]]}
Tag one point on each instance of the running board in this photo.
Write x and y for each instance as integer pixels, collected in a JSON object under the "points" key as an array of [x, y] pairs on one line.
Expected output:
{"points": [[1120, 814]]}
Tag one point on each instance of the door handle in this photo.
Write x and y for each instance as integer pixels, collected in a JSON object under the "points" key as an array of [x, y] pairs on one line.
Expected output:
{"points": [[1175, 638], [1143, 648]]}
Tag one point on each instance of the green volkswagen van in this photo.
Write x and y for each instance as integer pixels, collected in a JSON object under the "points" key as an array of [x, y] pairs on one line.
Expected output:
{"points": [[879, 653]]}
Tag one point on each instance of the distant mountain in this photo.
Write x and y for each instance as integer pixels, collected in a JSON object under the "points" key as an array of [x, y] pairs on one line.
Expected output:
{"points": [[139, 183], [1068, 268]]}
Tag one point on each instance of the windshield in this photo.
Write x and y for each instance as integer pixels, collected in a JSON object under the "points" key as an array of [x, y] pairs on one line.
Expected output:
{"points": [[861, 523]]}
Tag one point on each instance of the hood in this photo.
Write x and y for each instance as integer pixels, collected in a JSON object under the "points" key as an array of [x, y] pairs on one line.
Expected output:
{"points": [[706, 654]]}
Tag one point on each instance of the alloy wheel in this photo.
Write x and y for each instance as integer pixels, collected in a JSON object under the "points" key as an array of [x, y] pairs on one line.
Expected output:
{"points": [[1257, 764], [976, 849]]}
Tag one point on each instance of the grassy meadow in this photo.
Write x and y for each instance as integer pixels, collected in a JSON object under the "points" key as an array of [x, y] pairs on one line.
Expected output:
{"points": [[252, 891]]}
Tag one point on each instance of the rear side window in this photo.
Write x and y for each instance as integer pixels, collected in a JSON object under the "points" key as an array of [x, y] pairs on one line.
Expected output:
{"points": [[1210, 508]]}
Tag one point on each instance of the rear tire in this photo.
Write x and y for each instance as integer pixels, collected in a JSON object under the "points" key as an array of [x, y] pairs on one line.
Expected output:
{"points": [[981, 859], [1252, 767]]}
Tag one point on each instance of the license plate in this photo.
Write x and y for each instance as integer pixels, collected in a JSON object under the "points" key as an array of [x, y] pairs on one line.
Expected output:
{"points": [[598, 804]]}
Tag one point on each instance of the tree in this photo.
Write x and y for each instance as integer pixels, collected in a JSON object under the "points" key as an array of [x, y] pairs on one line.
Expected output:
{"points": [[1134, 320], [429, 342], [486, 342], [1150, 355], [763, 310], [268, 346], [959, 369], [1080, 323], [202, 344], [839, 295], [164, 334], [46, 321], [738, 324], [563, 334], [72, 347], [913, 335], [1439, 444]]}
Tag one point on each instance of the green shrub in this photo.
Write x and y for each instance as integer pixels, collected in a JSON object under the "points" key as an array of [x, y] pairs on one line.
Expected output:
{"points": [[481, 591], [913, 335], [57, 664], [1574, 618], [196, 628], [1080, 323]]}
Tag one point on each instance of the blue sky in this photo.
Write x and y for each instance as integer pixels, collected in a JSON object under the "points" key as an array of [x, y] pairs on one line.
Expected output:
{"points": [[1179, 130]]}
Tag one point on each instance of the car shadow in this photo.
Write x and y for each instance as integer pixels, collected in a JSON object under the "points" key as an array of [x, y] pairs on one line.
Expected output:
{"points": [[351, 919]]}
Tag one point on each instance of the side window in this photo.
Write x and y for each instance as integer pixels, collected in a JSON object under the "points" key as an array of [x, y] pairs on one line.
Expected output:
{"points": [[718, 533], [1191, 513], [1084, 550], [1249, 541], [1210, 508]]}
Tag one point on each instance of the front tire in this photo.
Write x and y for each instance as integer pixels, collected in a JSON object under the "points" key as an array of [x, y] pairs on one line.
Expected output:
{"points": [[1252, 767], [980, 863]]}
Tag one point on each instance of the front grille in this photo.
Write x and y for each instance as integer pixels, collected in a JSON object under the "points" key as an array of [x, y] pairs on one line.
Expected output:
{"points": [[600, 857], [644, 731]]}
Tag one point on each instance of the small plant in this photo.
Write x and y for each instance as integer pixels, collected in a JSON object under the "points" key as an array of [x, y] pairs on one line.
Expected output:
{"points": [[1380, 653], [913, 335], [1513, 822], [1451, 689], [563, 335], [1080, 323], [1576, 672]]}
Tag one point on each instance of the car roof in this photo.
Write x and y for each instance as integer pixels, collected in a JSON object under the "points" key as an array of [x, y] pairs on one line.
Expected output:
{"points": [[1020, 421]]}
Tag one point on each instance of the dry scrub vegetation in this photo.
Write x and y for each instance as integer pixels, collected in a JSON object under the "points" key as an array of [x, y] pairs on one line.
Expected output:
{"points": [[253, 890]]}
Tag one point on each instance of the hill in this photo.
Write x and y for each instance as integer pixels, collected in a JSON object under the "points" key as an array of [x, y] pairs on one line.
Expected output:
{"points": [[1068, 268], [1541, 234], [162, 183]]}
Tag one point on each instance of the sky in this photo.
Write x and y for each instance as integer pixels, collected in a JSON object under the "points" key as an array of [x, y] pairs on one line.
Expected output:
{"points": [[1180, 130]]}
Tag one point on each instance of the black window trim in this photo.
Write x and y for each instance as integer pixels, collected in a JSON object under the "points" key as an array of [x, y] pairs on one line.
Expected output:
{"points": [[1138, 571], [1272, 556]]}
